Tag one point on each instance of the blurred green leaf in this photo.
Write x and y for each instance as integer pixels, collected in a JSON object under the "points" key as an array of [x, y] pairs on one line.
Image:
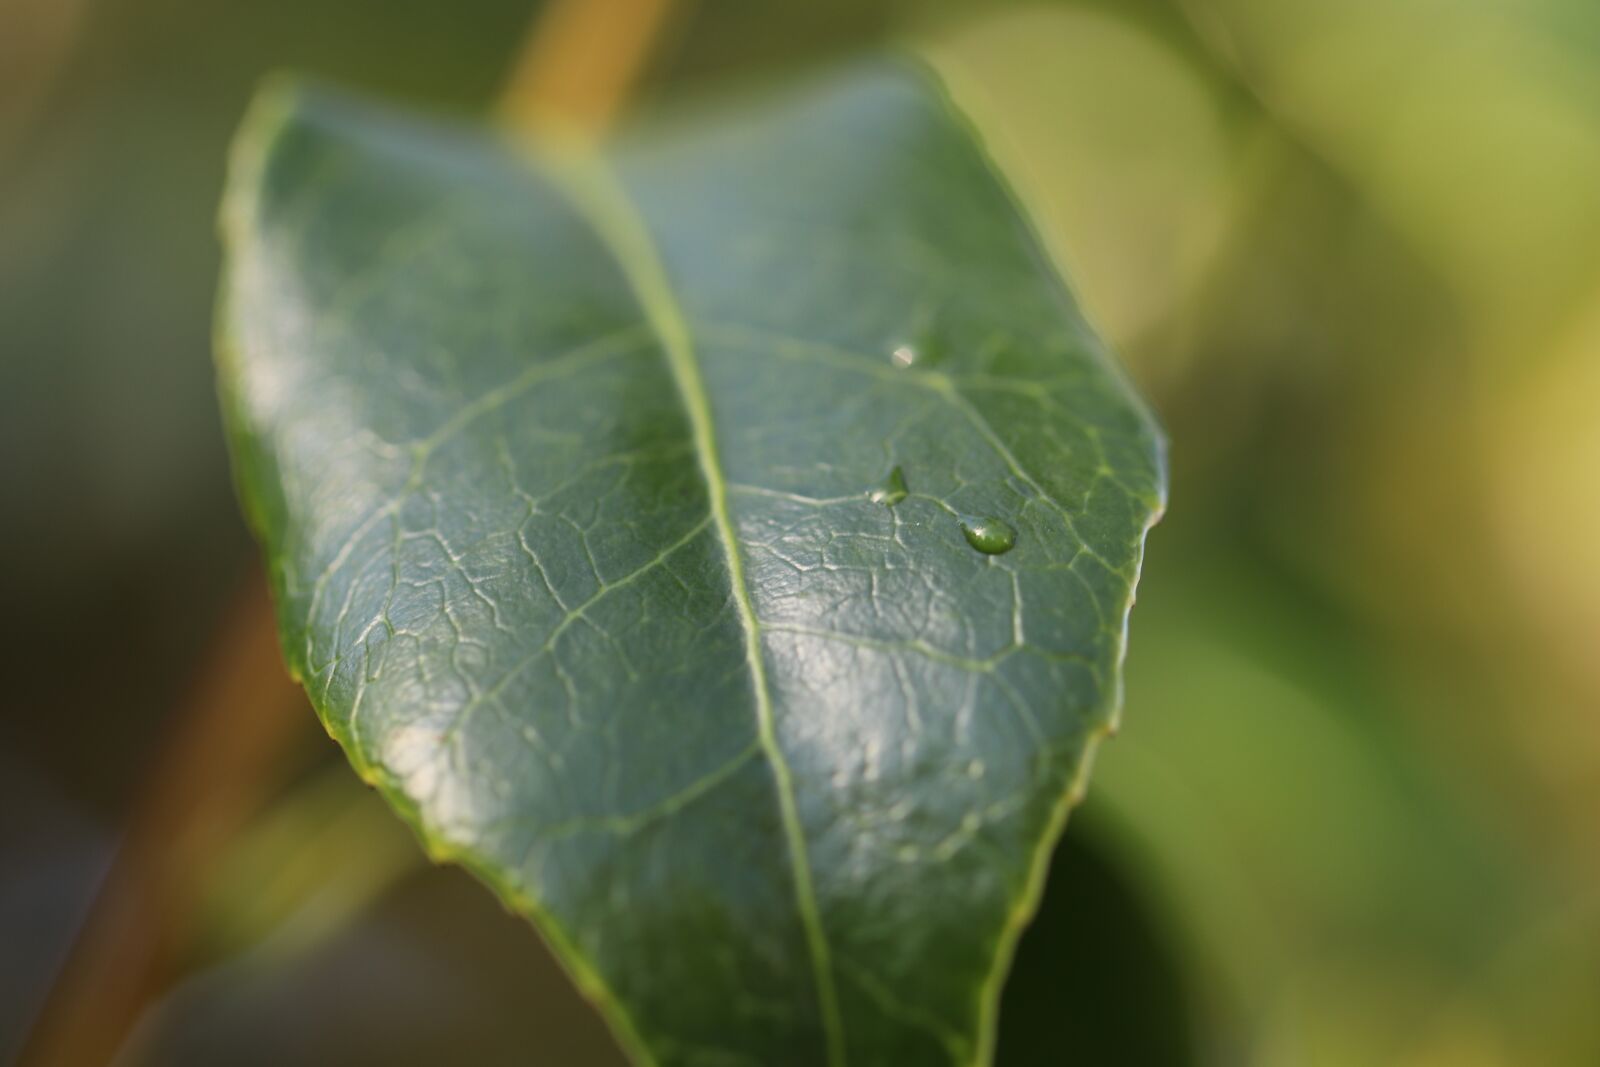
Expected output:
{"points": [[564, 466], [303, 869]]}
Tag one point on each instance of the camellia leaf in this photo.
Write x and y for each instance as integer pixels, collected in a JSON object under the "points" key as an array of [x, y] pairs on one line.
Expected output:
{"points": [[721, 543]]}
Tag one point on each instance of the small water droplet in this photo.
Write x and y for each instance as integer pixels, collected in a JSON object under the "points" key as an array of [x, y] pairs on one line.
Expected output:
{"points": [[989, 535], [903, 356], [891, 490]]}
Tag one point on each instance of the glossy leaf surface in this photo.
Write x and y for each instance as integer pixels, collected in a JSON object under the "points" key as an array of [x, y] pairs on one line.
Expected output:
{"points": [[721, 544]]}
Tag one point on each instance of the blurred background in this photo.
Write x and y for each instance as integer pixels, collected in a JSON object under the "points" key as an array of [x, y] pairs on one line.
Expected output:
{"points": [[1350, 251]]}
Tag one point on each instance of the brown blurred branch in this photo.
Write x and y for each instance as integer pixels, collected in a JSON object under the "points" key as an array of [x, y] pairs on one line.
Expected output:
{"points": [[581, 62], [227, 748]]}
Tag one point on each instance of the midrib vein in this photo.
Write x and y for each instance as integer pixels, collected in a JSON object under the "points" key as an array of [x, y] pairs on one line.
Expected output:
{"points": [[601, 200]]}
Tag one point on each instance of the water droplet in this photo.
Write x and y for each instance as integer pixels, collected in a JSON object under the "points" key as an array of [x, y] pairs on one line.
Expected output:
{"points": [[903, 356], [989, 535], [891, 490]]}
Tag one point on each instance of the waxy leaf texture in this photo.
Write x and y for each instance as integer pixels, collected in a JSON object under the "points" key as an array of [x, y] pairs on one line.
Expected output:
{"points": [[721, 542]]}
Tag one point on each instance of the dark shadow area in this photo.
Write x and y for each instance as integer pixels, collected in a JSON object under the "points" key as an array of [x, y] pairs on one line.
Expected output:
{"points": [[1096, 981], [436, 973]]}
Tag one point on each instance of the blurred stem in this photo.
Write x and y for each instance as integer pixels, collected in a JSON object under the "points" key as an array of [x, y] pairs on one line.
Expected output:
{"points": [[228, 747], [580, 63]]}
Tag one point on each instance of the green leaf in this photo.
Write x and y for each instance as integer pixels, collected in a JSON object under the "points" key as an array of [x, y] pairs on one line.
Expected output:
{"points": [[576, 475]]}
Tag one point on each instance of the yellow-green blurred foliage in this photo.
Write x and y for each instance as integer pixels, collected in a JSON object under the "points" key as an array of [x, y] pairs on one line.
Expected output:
{"points": [[1353, 251]]}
